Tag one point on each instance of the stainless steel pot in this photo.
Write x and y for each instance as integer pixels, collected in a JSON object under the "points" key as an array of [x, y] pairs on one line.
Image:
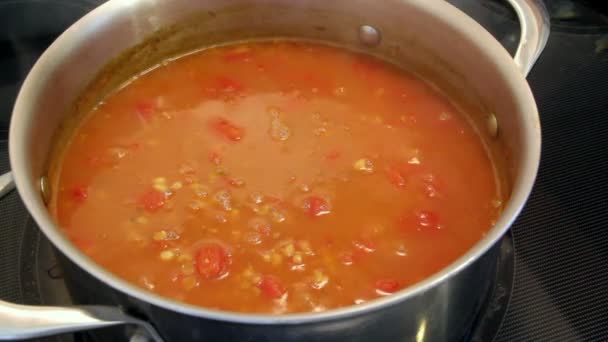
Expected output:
{"points": [[431, 34]]}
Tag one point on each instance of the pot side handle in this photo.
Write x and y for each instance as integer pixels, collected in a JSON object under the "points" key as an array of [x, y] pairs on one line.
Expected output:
{"points": [[7, 183], [535, 27], [23, 321]]}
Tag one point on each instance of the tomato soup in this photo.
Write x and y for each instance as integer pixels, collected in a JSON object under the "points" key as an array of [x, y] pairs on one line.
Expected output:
{"points": [[275, 177]]}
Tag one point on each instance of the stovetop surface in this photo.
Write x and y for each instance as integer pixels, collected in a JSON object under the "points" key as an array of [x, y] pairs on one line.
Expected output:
{"points": [[558, 291]]}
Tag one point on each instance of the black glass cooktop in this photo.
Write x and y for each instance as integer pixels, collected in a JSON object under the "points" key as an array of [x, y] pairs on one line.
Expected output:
{"points": [[550, 282]]}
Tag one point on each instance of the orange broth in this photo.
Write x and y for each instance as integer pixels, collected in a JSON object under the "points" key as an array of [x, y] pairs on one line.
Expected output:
{"points": [[275, 177]]}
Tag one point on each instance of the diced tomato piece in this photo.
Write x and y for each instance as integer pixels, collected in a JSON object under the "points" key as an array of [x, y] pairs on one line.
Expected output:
{"points": [[347, 258], [79, 193], [263, 228], [237, 55], [215, 158], [427, 219], [316, 206], [387, 285], [365, 244], [411, 119], [395, 176], [212, 261], [229, 85], [272, 199], [152, 200], [145, 110], [420, 221], [227, 129], [398, 172], [431, 186], [333, 155], [271, 287]]}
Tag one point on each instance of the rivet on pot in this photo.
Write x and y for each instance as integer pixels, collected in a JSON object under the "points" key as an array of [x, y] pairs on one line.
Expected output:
{"points": [[45, 189], [492, 125], [369, 35]]}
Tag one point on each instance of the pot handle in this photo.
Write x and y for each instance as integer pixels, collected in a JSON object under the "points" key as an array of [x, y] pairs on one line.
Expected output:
{"points": [[6, 183], [23, 321], [535, 27]]}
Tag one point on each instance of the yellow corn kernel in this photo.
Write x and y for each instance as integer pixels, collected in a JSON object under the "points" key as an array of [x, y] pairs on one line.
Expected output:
{"points": [[167, 255], [304, 187], [297, 258], [289, 250], [187, 269], [161, 187], [263, 210], [277, 259], [141, 220], [176, 186], [364, 165], [305, 246], [160, 235], [277, 216], [189, 282], [319, 279], [159, 180]]}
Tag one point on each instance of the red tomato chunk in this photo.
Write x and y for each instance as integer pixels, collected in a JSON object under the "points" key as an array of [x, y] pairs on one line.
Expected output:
{"points": [[145, 110], [152, 200], [271, 287], [212, 261], [316, 206], [229, 85], [387, 285], [227, 129], [80, 193]]}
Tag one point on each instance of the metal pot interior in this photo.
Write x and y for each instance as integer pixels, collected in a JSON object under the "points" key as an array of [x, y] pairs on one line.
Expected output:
{"points": [[123, 38]]}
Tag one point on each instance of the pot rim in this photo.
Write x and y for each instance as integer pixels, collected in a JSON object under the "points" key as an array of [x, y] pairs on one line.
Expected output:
{"points": [[505, 68]]}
